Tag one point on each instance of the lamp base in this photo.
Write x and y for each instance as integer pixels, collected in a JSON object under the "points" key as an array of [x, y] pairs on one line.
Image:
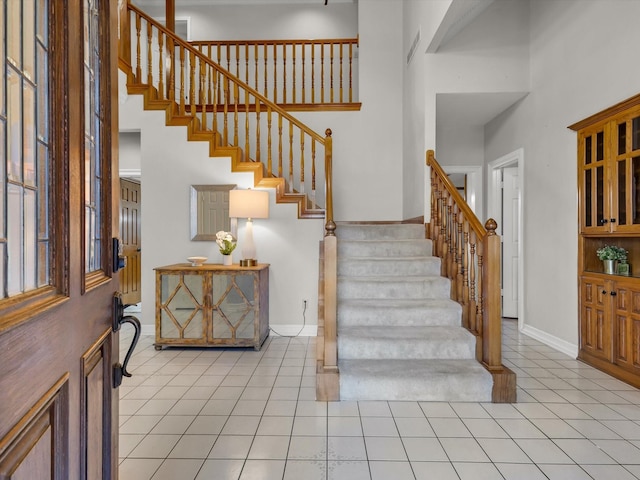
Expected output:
{"points": [[248, 262]]}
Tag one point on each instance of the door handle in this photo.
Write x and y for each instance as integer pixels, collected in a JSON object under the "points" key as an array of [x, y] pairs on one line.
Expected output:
{"points": [[120, 370]]}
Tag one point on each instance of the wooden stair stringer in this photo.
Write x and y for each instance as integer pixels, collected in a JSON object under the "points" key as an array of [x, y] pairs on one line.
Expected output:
{"points": [[238, 163]]}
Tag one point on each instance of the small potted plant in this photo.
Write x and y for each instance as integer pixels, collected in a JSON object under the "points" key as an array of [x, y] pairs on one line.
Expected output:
{"points": [[227, 243], [610, 254]]}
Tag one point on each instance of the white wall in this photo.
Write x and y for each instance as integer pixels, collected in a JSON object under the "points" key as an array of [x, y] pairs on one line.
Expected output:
{"points": [[170, 164], [574, 73], [425, 17], [267, 22]]}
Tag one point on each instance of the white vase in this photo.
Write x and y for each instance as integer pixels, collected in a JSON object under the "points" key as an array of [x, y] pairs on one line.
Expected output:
{"points": [[227, 259], [609, 266]]}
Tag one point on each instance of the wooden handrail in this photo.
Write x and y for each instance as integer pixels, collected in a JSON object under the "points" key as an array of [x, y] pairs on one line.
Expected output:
{"points": [[470, 258], [237, 115], [287, 71]]}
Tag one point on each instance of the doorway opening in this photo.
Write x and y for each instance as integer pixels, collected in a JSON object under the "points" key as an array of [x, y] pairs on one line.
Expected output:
{"points": [[505, 198]]}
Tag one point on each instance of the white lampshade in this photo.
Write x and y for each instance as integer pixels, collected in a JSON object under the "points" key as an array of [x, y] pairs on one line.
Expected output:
{"points": [[248, 203]]}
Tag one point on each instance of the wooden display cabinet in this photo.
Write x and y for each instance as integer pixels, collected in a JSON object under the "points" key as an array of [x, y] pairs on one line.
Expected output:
{"points": [[609, 214], [212, 305]]}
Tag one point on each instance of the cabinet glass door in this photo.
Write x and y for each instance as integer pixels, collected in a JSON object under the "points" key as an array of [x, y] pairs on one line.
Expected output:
{"points": [[181, 307], [234, 306], [626, 211], [594, 204]]}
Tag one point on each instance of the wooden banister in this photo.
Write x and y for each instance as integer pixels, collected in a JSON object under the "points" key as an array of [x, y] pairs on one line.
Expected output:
{"points": [[280, 69], [220, 107], [470, 255]]}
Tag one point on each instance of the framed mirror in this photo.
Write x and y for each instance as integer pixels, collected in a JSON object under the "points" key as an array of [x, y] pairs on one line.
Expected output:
{"points": [[209, 211]]}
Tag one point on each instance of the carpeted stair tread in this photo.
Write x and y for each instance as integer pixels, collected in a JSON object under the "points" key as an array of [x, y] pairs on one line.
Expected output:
{"points": [[406, 342], [386, 266], [418, 286], [384, 248], [416, 380], [399, 312]]}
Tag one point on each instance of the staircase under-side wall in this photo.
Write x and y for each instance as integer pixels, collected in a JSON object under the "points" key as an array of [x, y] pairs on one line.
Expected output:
{"points": [[399, 335]]}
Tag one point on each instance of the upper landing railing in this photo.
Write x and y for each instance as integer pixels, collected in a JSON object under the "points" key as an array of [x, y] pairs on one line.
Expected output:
{"points": [[296, 74]]}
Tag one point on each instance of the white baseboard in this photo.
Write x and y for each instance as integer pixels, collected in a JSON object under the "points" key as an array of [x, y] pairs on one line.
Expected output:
{"points": [[290, 330], [551, 340], [285, 330]]}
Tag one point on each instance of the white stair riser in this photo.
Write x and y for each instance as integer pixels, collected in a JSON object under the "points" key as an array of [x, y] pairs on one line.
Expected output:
{"points": [[426, 287], [364, 267], [385, 249]]}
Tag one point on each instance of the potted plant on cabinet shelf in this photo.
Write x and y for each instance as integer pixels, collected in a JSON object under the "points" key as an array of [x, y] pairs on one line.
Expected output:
{"points": [[610, 254]]}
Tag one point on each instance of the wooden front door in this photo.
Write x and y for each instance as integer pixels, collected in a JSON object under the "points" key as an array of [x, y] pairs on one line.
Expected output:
{"points": [[58, 109], [130, 223]]}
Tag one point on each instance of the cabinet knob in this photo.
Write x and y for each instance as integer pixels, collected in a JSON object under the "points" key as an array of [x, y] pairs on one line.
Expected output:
{"points": [[604, 292], [603, 221], [613, 294], [613, 220]]}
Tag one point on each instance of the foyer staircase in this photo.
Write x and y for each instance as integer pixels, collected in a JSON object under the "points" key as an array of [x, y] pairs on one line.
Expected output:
{"points": [[399, 335]]}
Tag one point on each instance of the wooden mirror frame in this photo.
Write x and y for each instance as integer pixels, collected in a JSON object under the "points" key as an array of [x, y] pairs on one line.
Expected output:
{"points": [[198, 230]]}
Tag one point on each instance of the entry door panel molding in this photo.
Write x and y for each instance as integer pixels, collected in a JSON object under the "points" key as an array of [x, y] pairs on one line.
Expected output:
{"points": [[37, 447]]}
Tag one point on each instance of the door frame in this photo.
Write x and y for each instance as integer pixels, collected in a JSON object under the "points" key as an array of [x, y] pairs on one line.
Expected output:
{"points": [[494, 210]]}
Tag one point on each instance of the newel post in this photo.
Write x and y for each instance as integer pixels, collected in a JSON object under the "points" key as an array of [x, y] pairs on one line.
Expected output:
{"points": [[492, 318], [330, 266]]}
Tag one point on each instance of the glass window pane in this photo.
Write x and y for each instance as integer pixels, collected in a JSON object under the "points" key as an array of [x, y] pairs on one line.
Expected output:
{"points": [[14, 33], [599, 146], [30, 243], [29, 122], [635, 190], [43, 95], [600, 193], [43, 191], [14, 139], [28, 38], [635, 133], [622, 192], [14, 239], [588, 198], [2, 184], [2, 268], [42, 26], [588, 145], [43, 263], [622, 138], [2, 61]]}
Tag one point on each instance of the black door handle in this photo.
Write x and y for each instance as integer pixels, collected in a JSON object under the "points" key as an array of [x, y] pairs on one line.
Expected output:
{"points": [[120, 370]]}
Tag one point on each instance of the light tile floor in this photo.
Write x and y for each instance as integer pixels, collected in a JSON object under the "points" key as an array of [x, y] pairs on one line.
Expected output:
{"points": [[210, 414]]}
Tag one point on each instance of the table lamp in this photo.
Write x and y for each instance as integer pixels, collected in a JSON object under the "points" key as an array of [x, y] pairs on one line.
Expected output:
{"points": [[248, 204]]}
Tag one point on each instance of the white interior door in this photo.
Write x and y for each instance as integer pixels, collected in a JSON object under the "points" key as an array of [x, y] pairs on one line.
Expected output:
{"points": [[510, 241]]}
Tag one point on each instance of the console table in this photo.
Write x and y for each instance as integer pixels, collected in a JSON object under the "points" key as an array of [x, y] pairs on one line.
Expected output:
{"points": [[212, 305]]}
